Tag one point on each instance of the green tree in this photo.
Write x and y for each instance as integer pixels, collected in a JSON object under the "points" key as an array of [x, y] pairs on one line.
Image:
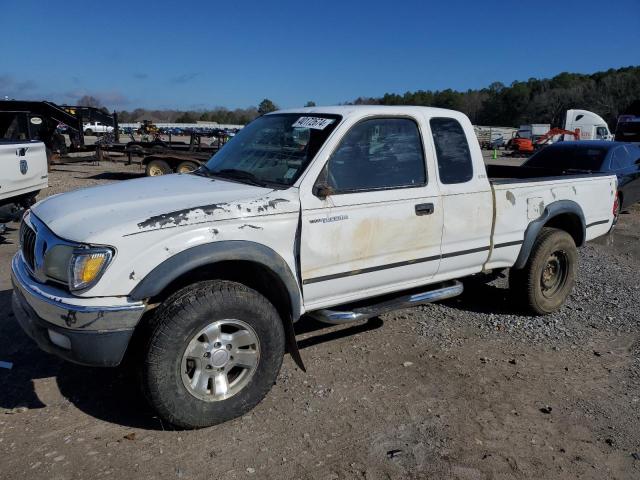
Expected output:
{"points": [[186, 117], [89, 101], [266, 106], [310, 103]]}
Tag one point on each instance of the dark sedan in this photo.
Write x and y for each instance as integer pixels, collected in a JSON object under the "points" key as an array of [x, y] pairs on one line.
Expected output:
{"points": [[620, 158]]}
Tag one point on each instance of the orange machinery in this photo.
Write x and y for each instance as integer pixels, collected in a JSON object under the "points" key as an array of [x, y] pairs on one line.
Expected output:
{"points": [[526, 145]]}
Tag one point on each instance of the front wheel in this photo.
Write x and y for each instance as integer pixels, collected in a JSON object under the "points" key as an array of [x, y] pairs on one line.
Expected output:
{"points": [[214, 352], [547, 279]]}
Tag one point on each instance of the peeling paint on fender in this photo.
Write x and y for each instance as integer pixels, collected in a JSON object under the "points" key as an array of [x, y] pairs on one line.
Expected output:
{"points": [[180, 217]]}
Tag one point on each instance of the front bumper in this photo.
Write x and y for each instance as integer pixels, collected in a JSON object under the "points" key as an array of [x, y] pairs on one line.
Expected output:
{"points": [[76, 329]]}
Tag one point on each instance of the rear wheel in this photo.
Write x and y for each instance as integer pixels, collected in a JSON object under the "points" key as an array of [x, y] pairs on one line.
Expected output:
{"points": [[156, 168], [186, 167], [547, 279], [88, 131], [214, 352]]}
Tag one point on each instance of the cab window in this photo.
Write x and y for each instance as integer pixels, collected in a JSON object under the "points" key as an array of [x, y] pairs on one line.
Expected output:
{"points": [[452, 151], [377, 154]]}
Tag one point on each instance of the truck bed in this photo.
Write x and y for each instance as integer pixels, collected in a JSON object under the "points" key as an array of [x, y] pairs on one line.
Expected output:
{"points": [[521, 195], [501, 174]]}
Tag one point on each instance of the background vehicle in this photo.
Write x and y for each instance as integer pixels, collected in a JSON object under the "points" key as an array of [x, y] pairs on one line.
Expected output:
{"points": [[497, 142], [492, 137], [22, 176], [147, 127], [45, 121], [522, 141], [578, 125], [591, 125], [628, 128], [527, 146], [173, 162], [533, 131], [92, 128], [621, 159], [341, 213]]}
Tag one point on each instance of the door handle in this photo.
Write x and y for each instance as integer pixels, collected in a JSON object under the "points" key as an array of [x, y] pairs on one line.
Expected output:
{"points": [[424, 209]]}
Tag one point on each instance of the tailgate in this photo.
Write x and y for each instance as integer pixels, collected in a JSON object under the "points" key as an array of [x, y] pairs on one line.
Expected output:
{"points": [[23, 168]]}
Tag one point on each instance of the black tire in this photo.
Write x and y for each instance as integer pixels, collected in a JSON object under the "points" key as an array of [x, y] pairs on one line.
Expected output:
{"points": [[186, 167], [547, 279], [88, 131], [184, 315], [156, 168]]}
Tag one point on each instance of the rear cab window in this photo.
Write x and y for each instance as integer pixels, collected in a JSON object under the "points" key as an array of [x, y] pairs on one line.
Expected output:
{"points": [[452, 151]]}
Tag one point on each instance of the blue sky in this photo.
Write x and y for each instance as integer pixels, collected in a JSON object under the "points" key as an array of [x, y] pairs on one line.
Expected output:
{"points": [[201, 54]]}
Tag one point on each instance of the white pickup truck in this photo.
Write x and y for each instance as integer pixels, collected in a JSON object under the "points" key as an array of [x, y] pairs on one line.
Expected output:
{"points": [[92, 128], [23, 173], [341, 213]]}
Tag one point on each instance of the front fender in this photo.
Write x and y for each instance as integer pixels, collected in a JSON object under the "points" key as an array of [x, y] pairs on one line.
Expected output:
{"points": [[207, 254]]}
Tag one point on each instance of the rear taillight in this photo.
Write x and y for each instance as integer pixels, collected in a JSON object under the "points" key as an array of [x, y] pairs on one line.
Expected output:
{"points": [[615, 205]]}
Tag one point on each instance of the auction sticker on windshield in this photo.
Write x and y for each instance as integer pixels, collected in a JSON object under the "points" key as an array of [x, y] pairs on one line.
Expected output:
{"points": [[316, 123]]}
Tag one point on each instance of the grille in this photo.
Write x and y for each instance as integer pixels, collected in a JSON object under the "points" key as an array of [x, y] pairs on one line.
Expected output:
{"points": [[28, 241]]}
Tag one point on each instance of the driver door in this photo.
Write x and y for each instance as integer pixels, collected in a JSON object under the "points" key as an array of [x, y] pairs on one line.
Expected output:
{"points": [[379, 228]]}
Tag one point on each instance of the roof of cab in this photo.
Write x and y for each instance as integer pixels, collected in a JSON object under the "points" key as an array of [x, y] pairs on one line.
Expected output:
{"points": [[364, 110]]}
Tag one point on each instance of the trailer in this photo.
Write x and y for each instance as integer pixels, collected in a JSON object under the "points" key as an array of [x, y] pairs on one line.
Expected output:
{"points": [[44, 121], [47, 122], [493, 137]]}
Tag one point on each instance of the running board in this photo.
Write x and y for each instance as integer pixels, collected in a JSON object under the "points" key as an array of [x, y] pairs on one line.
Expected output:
{"points": [[365, 311]]}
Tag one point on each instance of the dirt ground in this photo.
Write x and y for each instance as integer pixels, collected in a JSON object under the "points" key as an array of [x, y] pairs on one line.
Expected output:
{"points": [[471, 388]]}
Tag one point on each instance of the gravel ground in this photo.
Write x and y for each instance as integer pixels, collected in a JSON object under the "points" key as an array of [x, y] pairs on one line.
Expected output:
{"points": [[471, 388]]}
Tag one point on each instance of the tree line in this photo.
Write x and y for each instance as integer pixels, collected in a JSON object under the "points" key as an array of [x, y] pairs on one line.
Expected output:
{"points": [[222, 115], [238, 116], [607, 93]]}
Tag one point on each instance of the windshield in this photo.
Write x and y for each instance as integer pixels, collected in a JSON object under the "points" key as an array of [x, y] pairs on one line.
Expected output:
{"points": [[628, 132], [569, 157], [273, 149]]}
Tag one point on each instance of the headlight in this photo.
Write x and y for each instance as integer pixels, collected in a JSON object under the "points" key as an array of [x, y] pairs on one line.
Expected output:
{"points": [[87, 266], [56, 263]]}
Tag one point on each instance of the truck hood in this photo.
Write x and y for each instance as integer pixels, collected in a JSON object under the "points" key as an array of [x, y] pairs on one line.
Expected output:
{"points": [[95, 214]]}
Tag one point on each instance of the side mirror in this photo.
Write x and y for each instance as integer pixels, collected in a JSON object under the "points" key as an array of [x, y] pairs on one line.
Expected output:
{"points": [[322, 190]]}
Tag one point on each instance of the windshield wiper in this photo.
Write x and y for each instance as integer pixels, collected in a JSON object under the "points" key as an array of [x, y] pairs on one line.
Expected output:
{"points": [[202, 171], [236, 174]]}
